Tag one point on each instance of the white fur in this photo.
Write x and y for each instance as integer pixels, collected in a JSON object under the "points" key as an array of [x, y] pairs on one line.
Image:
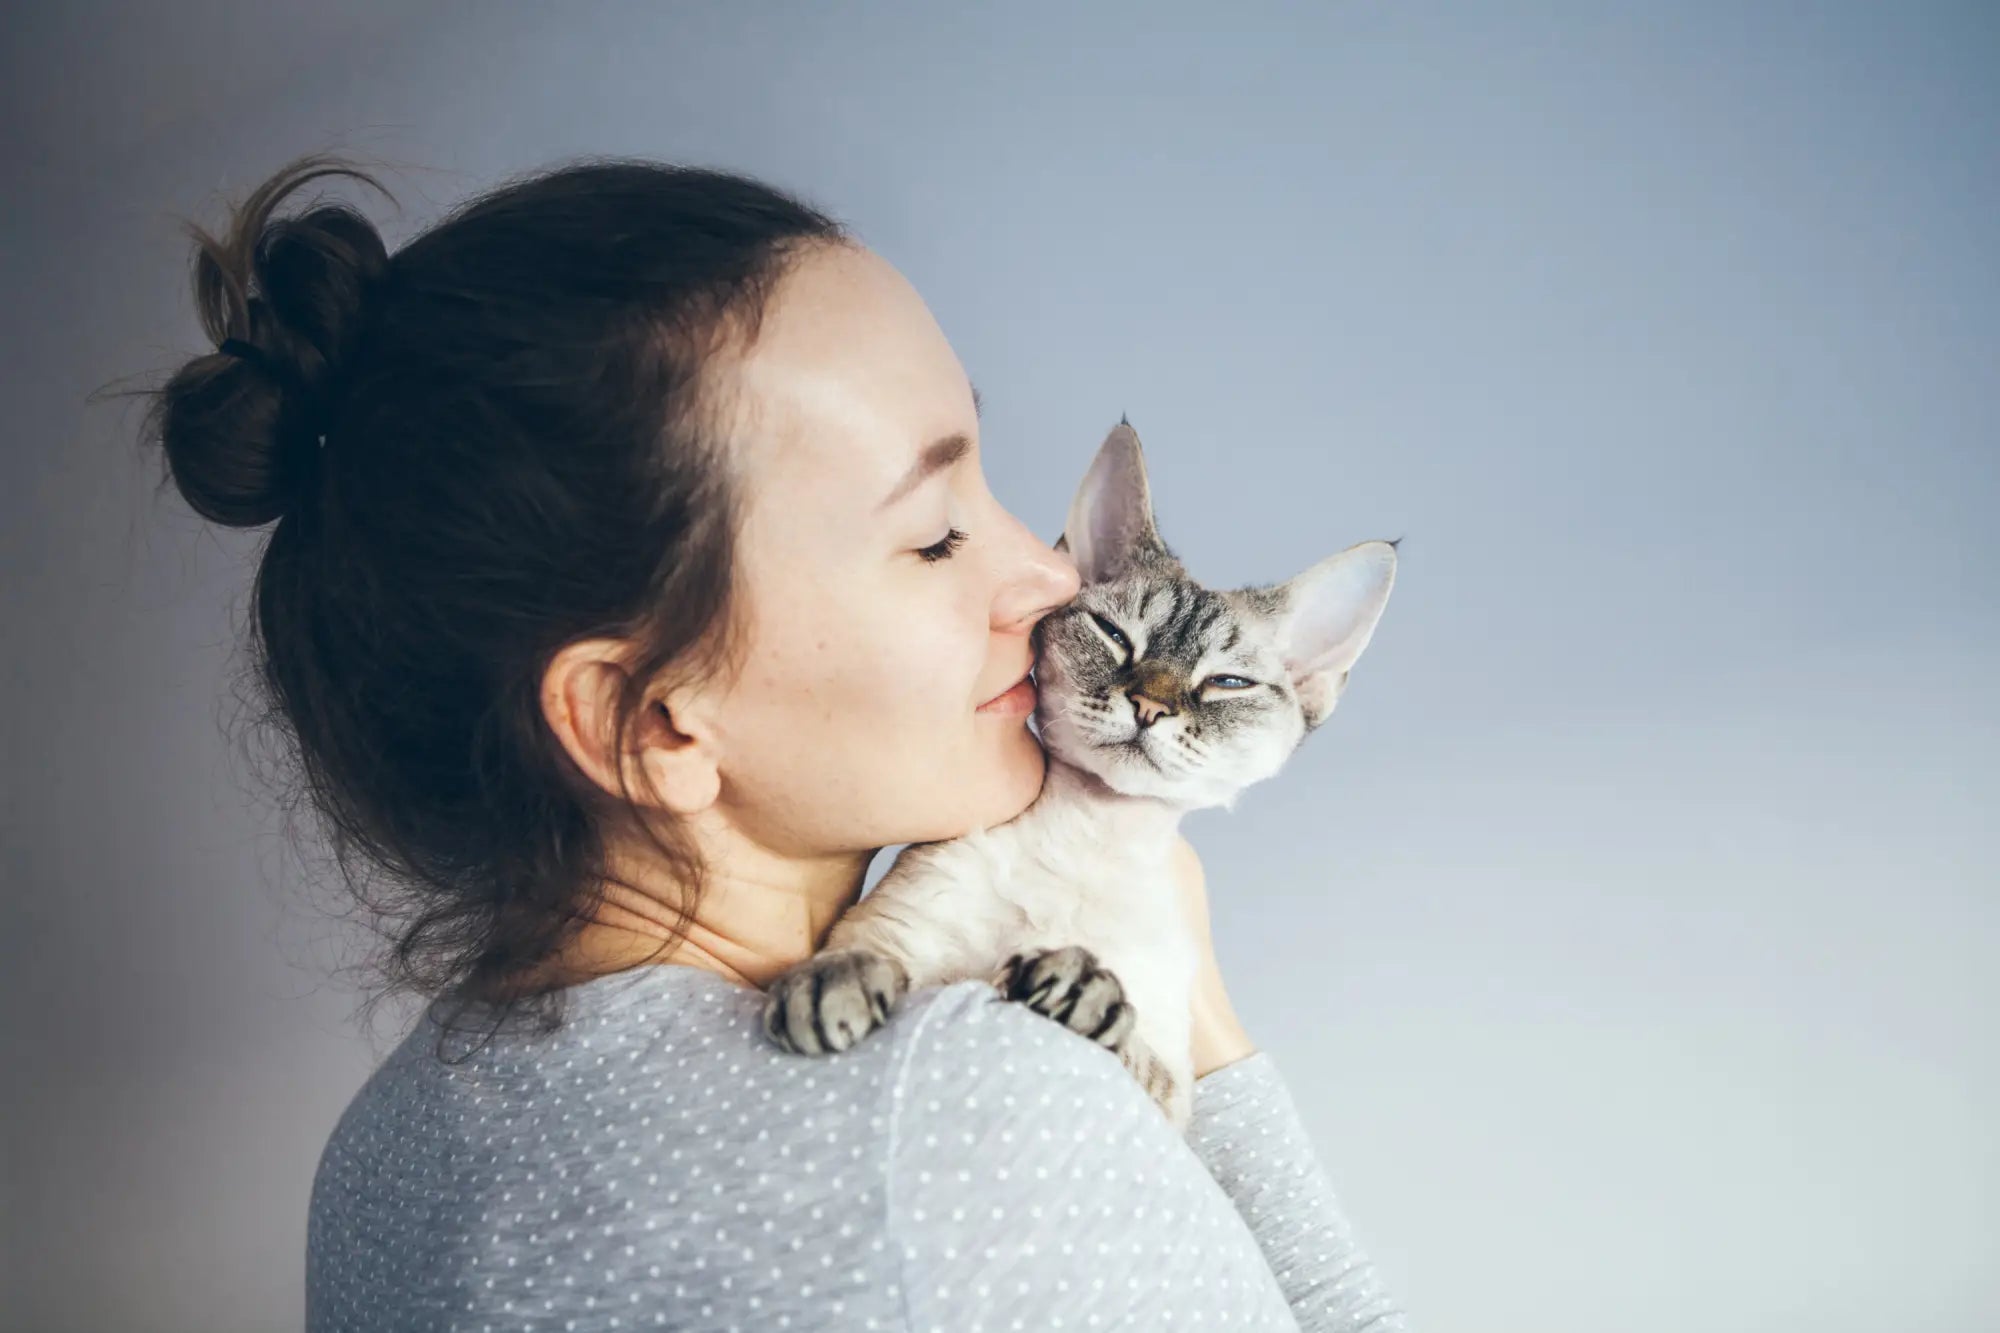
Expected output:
{"points": [[1081, 865]]}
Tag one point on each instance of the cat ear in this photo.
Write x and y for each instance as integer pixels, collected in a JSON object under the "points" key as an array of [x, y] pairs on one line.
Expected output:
{"points": [[1110, 524], [1330, 614]]}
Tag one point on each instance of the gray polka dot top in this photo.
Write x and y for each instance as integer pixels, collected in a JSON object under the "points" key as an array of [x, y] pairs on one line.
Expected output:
{"points": [[970, 1166]]}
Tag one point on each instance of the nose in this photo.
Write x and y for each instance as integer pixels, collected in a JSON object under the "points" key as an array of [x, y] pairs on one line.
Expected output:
{"points": [[1047, 580], [1154, 693]]}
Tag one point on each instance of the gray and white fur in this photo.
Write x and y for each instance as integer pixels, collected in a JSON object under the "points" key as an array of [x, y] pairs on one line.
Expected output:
{"points": [[1157, 696]]}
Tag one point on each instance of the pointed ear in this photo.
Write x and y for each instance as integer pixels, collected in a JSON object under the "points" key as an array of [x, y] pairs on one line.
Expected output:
{"points": [[1330, 614], [1110, 524]]}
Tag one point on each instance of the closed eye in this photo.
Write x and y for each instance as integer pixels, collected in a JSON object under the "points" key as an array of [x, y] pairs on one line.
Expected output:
{"points": [[942, 549], [1117, 635]]}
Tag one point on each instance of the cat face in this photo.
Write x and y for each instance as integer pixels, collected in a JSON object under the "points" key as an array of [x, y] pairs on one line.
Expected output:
{"points": [[1167, 689]]}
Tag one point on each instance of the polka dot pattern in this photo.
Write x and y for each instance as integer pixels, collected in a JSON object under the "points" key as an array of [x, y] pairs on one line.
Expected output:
{"points": [[972, 1166]]}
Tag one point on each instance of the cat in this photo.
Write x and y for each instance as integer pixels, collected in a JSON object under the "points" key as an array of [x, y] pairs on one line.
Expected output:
{"points": [[1157, 696]]}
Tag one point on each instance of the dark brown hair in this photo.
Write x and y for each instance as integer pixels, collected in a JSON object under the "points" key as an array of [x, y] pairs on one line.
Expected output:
{"points": [[495, 442]]}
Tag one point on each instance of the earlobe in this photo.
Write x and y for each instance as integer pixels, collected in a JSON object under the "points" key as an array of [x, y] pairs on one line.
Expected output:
{"points": [[680, 767]]}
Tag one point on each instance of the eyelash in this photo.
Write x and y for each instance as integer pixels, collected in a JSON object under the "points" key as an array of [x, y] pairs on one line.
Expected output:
{"points": [[943, 550]]}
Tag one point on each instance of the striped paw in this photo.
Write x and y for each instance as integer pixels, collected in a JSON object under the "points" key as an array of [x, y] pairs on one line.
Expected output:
{"points": [[832, 1000], [1068, 985]]}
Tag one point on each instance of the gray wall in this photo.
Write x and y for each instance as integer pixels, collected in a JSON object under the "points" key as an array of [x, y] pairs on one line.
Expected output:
{"points": [[1627, 937]]}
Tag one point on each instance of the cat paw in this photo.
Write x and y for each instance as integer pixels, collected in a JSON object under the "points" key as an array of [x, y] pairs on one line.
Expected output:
{"points": [[1067, 985], [832, 1000]]}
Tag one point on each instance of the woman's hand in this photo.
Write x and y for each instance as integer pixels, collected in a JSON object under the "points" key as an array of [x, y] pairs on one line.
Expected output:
{"points": [[1218, 1039]]}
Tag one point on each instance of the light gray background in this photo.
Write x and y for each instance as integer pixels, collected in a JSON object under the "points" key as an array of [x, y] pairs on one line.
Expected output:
{"points": [[1627, 937]]}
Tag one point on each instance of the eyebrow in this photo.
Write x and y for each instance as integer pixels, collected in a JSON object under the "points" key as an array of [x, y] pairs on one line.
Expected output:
{"points": [[937, 455]]}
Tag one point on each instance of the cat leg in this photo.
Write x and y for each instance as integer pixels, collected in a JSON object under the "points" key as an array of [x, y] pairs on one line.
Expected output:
{"points": [[1171, 1094], [1069, 986], [1174, 1092], [898, 938]]}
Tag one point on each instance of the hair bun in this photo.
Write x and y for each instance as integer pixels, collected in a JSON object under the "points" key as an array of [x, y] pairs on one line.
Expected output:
{"points": [[289, 297]]}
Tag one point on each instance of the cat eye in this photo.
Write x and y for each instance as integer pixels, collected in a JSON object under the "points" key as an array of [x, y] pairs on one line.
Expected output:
{"points": [[1113, 631], [1222, 681]]}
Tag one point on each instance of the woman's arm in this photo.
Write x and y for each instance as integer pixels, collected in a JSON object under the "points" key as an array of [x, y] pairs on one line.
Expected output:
{"points": [[1246, 1131], [1218, 1038]]}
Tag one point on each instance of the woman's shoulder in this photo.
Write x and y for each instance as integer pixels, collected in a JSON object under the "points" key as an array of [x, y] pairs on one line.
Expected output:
{"points": [[677, 1041], [674, 1070], [661, 1126], [1028, 1172], [966, 1041], [980, 1079]]}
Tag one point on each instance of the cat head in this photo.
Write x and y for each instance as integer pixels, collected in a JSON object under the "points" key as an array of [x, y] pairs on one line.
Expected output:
{"points": [[1163, 688]]}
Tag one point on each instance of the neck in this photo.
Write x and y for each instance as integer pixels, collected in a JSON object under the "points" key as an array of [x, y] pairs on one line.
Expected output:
{"points": [[758, 914], [1119, 815]]}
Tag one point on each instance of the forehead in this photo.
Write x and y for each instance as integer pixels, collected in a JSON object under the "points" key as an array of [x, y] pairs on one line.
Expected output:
{"points": [[849, 378], [1177, 616]]}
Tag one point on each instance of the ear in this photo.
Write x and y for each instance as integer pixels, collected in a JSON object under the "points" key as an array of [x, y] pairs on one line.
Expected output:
{"points": [[668, 745], [1110, 524], [1330, 614]]}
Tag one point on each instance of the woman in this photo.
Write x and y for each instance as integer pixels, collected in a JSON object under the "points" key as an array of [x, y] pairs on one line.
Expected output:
{"points": [[633, 582]]}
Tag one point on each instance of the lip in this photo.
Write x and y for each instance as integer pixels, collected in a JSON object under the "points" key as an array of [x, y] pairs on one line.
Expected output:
{"points": [[1017, 698]]}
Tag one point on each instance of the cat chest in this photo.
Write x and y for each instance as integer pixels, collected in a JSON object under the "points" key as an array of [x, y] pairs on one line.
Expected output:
{"points": [[1098, 912]]}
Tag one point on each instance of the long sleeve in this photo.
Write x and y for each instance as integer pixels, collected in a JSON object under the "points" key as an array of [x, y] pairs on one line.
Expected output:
{"points": [[658, 1163], [1032, 1185], [1246, 1131]]}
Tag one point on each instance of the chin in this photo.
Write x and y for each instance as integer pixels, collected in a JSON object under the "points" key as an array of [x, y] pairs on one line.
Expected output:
{"points": [[1017, 780], [1130, 772]]}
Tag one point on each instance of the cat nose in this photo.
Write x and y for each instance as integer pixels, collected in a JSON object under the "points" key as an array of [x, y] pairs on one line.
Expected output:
{"points": [[1152, 687], [1150, 710]]}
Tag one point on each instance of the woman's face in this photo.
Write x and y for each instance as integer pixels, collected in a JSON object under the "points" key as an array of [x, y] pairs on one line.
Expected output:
{"points": [[875, 630]]}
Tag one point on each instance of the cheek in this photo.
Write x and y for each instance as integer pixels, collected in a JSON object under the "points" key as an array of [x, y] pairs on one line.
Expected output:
{"points": [[1076, 661], [934, 669], [873, 666], [868, 737]]}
